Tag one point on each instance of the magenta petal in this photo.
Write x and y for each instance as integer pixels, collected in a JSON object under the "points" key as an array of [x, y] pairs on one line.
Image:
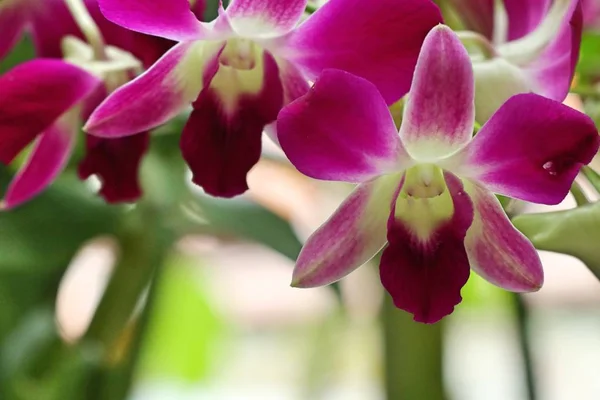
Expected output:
{"points": [[497, 250], [341, 130], [440, 111], [531, 149], [48, 158], [221, 145], [156, 96], [524, 16], [477, 15], [350, 237], [116, 162], [33, 95], [293, 80], [12, 22], [553, 70], [425, 277], [264, 17], [171, 19], [379, 42]]}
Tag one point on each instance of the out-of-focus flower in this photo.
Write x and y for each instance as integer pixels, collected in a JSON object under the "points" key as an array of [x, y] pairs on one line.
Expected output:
{"points": [[524, 46], [40, 101], [239, 70], [428, 192], [55, 33]]}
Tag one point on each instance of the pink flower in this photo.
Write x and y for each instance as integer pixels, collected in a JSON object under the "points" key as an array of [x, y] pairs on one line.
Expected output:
{"points": [[531, 46], [115, 161], [239, 70], [428, 192]]}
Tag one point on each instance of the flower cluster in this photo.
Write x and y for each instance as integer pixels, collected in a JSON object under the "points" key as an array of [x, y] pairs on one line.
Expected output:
{"points": [[320, 85]]}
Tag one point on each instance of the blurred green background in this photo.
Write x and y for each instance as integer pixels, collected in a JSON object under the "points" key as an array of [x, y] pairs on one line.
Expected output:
{"points": [[182, 296]]}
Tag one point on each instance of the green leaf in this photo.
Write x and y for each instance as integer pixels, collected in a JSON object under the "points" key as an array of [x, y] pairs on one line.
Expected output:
{"points": [[574, 232], [45, 233], [246, 219], [183, 327], [589, 56]]}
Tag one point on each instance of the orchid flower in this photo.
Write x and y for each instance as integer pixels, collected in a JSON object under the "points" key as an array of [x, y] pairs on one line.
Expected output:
{"points": [[525, 46], [115, 162], [39, 103], [428, 192], [239, 70]]}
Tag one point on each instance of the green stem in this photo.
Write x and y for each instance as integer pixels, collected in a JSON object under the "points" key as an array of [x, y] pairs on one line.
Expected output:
{"points": [[469, 37], [88, 27], [592, 177], [577, 192], [413, 356], [586, 91], [143, 249], [525, 345]]}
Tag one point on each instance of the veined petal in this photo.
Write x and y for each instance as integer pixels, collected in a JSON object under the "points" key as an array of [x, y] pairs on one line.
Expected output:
{"points": [[531, 149], [341, 130], [553, 70], [476, 15], [33, 95], [496, 81], [524, 16], [116, 162], [497, 250], [159, 94], [379, 42], [425, 267], [48, 158], [350, 237], [527, 48], [440, 112], [264, 18], [171, 19], [12, 22], [222, 140]]}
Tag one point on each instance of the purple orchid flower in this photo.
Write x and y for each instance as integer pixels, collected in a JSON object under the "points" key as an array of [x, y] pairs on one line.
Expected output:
{"points": [[39, 102], [528, 46], [239, 70], [114, 161], [428, 192]]}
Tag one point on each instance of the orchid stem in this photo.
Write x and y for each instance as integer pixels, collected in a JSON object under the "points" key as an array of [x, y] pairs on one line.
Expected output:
{"points": [[143, 249], [522, 314], [592, 177], [577, 192], [478, 40], [88, 27], [413, 356]]}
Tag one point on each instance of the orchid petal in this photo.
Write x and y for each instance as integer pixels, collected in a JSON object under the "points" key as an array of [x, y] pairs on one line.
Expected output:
{"points": [[350, 237], [379, 42], [496, 81], [12, 23], [425, 274], [116, 162], [171, 19], [531, 149], [341, 130], [497, 250], [439, 114], [47, 160], [33, 95], [159, 94], [553, 70], [524, 16], [264, 18], [222, 140]]}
